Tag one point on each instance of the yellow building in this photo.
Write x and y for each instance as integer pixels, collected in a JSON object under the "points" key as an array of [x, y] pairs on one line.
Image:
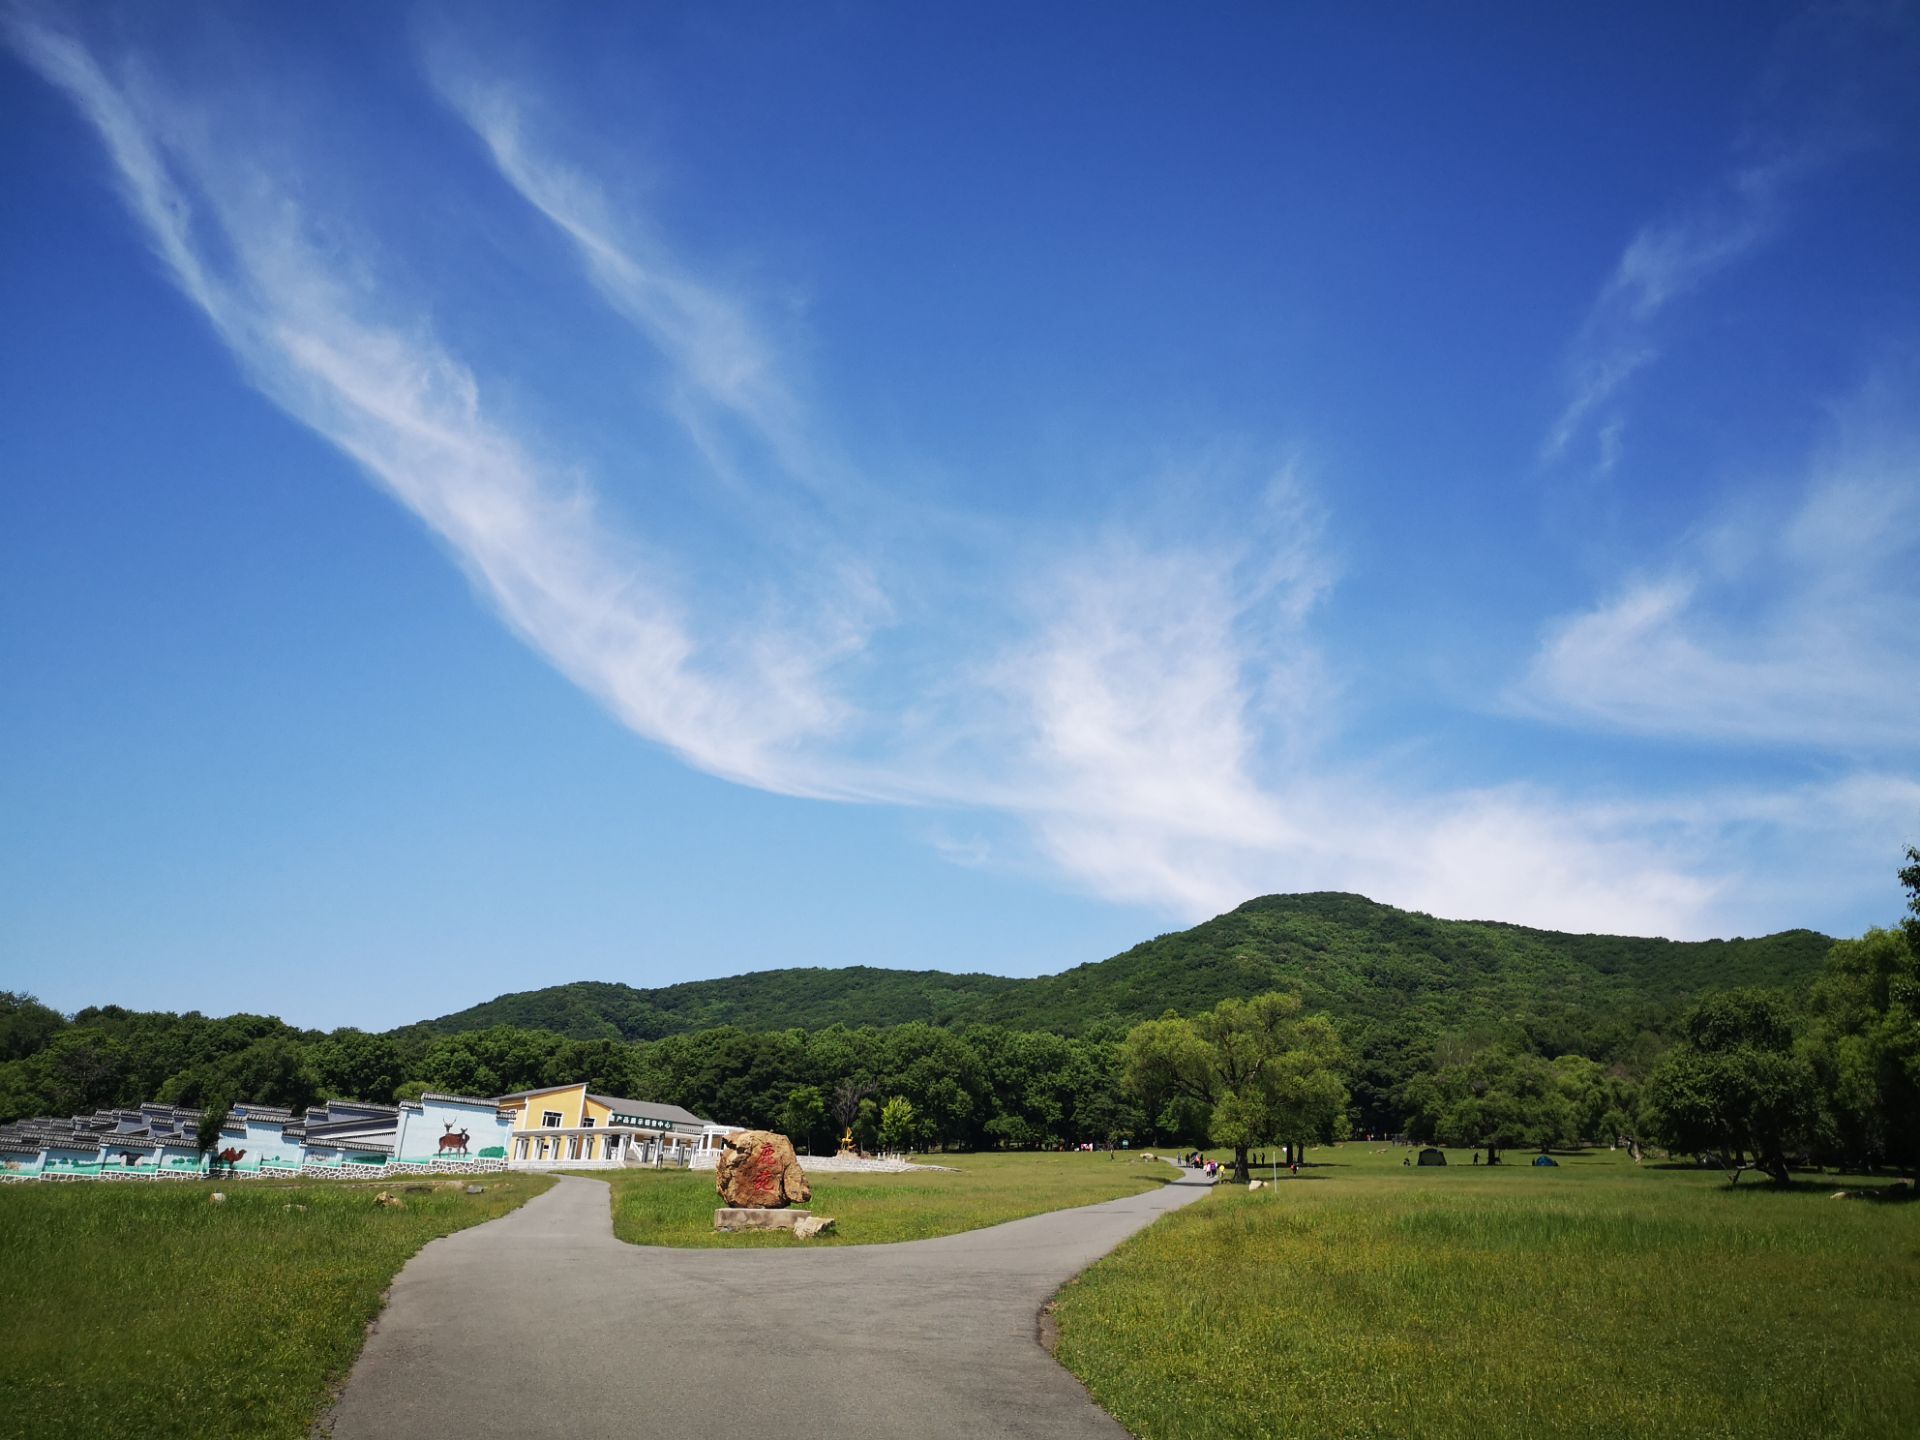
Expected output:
{"points": [[566, 1125]]}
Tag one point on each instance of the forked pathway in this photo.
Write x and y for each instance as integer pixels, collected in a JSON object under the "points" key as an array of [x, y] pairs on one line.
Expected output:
{"points": [[541, 1323]]}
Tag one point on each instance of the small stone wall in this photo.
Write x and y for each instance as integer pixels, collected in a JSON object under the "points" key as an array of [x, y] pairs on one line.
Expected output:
{"points": [[491, 1164]]}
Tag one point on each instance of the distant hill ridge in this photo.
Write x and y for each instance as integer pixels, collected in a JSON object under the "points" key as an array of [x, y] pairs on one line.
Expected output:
{"points": [[1345, 954]]}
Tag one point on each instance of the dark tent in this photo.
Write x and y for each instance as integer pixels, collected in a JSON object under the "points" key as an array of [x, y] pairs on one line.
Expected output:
{"points": [[1545, 1160], [1431, 1156]]}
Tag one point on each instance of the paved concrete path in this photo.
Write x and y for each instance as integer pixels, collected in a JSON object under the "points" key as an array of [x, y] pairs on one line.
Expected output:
{"points": [[541, 1323]]}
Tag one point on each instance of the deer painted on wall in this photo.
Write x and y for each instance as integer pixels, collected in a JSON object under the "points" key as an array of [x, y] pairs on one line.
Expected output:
{"points": [[452, 1143]]}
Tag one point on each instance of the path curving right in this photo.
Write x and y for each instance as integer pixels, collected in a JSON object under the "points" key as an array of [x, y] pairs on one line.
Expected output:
{"points": [[542, 1324]]}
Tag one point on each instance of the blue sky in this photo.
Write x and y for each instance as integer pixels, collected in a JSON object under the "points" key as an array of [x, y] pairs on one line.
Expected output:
{"points": [[496, 496]]}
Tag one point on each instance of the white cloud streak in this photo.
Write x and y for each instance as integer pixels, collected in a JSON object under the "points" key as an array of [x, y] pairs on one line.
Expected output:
{"points": [[707, 337], [412, 416], [1798, 630], [1662, 263]]}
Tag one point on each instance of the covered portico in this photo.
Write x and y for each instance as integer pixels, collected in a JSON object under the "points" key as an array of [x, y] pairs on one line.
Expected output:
{"points": [[566, 1126], [599, 1145]]}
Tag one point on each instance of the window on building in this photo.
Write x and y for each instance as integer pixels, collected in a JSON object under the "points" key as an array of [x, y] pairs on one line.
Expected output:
{"points": [[550, 1119], [587, 1124]]}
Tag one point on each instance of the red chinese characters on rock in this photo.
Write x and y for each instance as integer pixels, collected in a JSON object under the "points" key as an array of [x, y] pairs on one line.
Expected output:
{"points": [[757, 1170], [765, 1167]]}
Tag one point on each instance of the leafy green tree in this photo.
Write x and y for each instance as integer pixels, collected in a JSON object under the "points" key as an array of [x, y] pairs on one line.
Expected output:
{"points": [[1011, 1132], [1026, 1077], [25, 1025], [1910, 878], [897, 1124], [1498, 1099], [206, 1130], [731, 1075], [609, 1067], [1386, 1054], [940, 1073], [1603, 1098], [1108, 1115], [353, 1065], [1307, 1096], [1240, 1059], [1733, 1084], [1165, 1064], [1863, 1047], [80, 1071], [20, 1095], [268, 1072], [803, 1115], [497, 1061], [866, 1124], [1242, 1119], [193, 1087]]}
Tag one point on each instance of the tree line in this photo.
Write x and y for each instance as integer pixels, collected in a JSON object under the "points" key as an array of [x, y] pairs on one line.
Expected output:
{"points": [[1755, 1078], [1827, 1073], [980, 1088]]}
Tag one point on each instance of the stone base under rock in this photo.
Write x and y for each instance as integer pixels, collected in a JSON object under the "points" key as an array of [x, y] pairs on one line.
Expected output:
{"points": [[732, 1218]]}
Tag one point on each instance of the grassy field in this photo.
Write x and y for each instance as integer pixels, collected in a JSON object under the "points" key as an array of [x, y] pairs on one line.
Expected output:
{"points": [[144, 1310], [1596, 1299], [675, 1207]]}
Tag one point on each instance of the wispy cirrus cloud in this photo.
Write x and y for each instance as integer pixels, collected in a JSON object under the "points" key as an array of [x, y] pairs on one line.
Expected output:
{"points": [[1174, 722], [1663, 263], [717, 355], [413, 417], [1787, 629], [1155, 689]]}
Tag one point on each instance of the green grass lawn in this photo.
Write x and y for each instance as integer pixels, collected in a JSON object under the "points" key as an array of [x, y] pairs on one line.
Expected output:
{"points": [[144, 1310], [1597, 1299], [675, 1207]]}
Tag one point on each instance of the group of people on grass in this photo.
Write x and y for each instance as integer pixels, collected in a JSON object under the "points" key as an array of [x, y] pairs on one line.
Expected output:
{"points": [[1194, 1160]]}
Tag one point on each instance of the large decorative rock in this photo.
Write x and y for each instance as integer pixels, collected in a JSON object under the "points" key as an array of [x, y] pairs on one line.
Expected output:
{"points": [[757, 1170]]}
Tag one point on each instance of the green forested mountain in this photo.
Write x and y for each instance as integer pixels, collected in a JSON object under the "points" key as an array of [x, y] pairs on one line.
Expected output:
{"points": [[764, 1000], [1346, 955], [1421, 1008]]}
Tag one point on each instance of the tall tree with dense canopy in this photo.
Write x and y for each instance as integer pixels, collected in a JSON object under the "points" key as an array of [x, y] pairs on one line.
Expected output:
{"points": [[803, 1115], [1733, 1085], [25, 1025], [1910, 878], [353, 1065], [1864, 1041], [1307, 1092], [1249, 1060], [897, 1124], [1497, 1099]]}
